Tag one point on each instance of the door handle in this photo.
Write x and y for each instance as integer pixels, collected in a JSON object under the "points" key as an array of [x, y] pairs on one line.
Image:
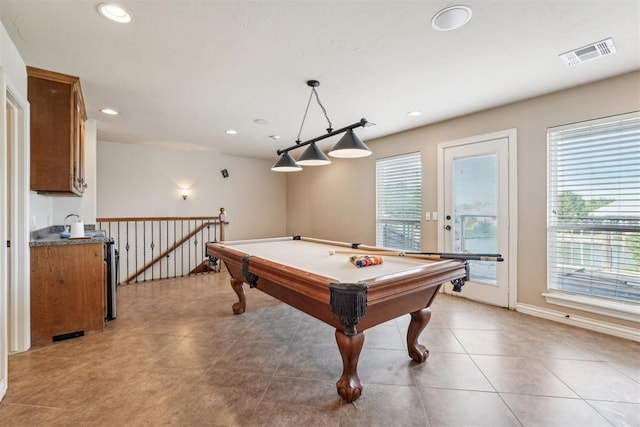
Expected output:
{"points": [[448, 228]]}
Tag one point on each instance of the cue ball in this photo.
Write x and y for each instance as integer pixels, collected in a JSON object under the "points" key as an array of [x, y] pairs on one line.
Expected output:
{"points": [[332, 251]]}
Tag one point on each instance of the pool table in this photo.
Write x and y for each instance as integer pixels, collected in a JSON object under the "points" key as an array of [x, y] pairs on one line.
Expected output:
{"points": [[303, 273]]}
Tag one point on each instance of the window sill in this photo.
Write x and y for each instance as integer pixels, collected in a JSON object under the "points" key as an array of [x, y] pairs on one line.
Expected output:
{"points": [[605, 307]]}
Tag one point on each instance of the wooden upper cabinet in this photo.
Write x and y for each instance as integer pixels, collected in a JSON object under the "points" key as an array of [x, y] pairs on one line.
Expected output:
{"points": [[57, 132]]}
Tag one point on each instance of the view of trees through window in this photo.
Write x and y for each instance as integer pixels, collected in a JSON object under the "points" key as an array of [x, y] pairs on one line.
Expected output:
{"points": [[573, 208], [594, 208]]}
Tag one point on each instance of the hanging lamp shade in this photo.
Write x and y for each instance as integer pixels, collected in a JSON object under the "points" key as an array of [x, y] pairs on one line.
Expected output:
{"points": [[286, 164], [313, 156], [350, 146]]}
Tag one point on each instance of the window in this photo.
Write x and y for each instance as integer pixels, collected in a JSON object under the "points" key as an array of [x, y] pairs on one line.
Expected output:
{"points": [[399, 202], [593, 217]]}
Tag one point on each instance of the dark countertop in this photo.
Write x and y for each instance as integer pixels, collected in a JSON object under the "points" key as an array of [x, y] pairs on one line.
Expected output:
{"points": [[50, 236]]}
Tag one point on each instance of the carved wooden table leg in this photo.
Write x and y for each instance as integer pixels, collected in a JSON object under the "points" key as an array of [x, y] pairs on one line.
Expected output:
{"points": [[419, 320], [240, 306], [349, 385]]}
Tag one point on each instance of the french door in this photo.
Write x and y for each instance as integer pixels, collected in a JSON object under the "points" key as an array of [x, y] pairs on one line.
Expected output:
{"points": [[477, 191]]}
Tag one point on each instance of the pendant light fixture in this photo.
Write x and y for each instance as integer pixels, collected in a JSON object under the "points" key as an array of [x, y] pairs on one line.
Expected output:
{"points": [[349, 146], [286, 163], [313, 156]]}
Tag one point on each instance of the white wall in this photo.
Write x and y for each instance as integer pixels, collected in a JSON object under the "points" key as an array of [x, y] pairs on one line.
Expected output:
{"points": [[15, 71], [145, 181], [41, 211], [11, 61]]}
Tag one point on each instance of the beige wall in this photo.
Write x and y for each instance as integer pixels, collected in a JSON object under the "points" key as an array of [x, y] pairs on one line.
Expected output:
{"points": [[338, 202], [145, 180]]}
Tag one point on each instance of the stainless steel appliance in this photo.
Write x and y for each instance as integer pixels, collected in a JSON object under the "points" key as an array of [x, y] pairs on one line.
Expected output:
{"points": [[112, 259]]}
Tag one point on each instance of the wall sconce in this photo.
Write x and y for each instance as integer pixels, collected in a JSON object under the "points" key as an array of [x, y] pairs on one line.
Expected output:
{"points": [[185, 193], [349, 146]]}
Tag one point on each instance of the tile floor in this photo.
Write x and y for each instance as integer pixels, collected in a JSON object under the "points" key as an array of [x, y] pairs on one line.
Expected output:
{"points": [[176, 355]]}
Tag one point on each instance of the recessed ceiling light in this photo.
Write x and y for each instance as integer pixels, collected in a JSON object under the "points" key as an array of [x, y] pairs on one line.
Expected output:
{"points": [[414, 113], [261, 121], [274, 137], [231, 131], [451, 18], [109, 111], [114, 13]]}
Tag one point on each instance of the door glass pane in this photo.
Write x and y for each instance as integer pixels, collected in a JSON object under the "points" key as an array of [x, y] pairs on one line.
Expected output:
{"points": [[475, 207]]}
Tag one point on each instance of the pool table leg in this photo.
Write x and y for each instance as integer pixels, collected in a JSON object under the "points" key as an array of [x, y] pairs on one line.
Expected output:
{"points": [[349, 385], [240, 306], [419, 320]]}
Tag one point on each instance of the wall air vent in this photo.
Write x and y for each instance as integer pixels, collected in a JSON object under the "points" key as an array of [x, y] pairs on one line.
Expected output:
{"points": [[587, 53]]}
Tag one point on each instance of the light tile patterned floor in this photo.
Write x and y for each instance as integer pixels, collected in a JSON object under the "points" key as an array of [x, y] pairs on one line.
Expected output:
{"points": [[176, 355]]}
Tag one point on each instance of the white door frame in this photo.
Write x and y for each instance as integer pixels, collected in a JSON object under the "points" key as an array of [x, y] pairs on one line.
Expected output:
{"points": [[4, 277], [15, 317], [511, 136]]}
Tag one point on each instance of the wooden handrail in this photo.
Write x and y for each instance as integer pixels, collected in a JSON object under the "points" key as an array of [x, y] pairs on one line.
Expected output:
{"points": [[216, 220], [167, 251], [159, 218]]}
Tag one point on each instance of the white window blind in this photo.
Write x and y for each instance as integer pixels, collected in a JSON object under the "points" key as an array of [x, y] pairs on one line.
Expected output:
{"points": [[399, 202], [594, 208]]}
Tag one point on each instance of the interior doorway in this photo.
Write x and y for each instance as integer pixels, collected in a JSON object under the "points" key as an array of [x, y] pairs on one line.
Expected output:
{"points": [[477, 189], [14, 228]]}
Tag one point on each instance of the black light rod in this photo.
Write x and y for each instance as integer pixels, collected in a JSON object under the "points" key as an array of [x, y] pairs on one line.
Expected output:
{"points": [[362, 123]]}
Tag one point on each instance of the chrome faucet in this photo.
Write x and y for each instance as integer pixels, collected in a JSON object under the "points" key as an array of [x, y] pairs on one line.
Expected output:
{"points": [[67, 227]]}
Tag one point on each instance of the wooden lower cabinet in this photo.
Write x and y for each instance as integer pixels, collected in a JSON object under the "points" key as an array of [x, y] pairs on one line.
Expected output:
{"points": [[67, 290]]}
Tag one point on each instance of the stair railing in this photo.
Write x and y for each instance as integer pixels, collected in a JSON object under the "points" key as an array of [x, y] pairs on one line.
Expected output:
{"points": [[152, 248]]}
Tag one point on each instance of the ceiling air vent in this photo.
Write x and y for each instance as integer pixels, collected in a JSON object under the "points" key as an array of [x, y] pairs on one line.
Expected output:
{"points": [[587, 53]]}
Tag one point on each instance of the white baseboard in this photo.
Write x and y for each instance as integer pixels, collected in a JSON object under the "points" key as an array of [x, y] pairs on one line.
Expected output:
{"points": [[3, 388], [582, 322]]}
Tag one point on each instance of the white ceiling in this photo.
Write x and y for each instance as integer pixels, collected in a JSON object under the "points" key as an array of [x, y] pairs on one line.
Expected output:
{"points": [[185, 71]]}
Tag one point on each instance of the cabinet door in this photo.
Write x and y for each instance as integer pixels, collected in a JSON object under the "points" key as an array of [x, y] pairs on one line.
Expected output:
{"points": [[57, 132], [51, 151], [67, 290]]}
